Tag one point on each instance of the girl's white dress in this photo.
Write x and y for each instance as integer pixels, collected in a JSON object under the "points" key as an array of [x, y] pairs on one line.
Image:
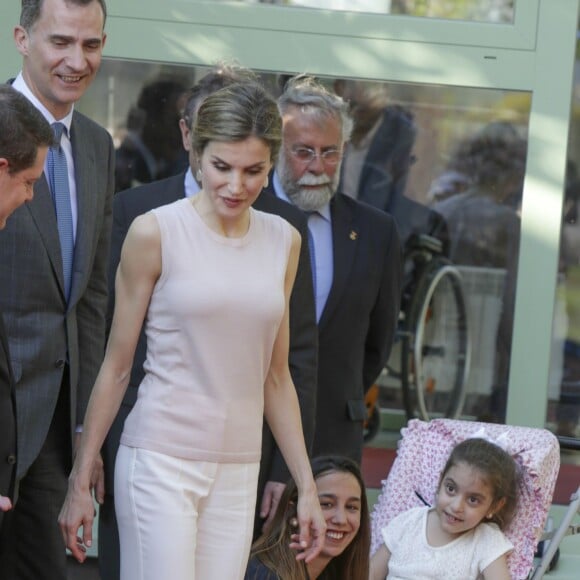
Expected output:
{"points": [[465, 558]]}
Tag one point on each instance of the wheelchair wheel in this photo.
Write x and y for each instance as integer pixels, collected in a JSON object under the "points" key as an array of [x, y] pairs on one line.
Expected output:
{"points": [[436, 347]]}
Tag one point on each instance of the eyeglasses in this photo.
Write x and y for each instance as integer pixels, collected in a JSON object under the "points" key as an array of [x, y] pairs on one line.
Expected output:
{"points": [[306, 155]]}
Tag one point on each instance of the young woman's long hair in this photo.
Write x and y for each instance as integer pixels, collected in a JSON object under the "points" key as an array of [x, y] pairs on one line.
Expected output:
{"points": [[272, 548]]}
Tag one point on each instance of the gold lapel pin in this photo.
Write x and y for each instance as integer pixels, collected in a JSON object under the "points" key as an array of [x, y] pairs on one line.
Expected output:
{"points": [[353, 235]]}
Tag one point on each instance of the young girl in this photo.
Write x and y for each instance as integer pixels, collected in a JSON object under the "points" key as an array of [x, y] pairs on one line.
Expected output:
{"points": [[461, 536]]}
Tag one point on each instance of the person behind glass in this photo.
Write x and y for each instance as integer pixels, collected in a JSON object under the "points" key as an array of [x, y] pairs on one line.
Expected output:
{"points": [[357, 263], [212, 278], [345, 555], [484, 230], [378, 158], [303, 332], [482, 217], [151, 148], [461, 537], [25, 137], [53, 258]]}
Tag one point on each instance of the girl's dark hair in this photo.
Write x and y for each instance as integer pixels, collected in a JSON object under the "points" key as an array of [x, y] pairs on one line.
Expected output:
{"points": [[497, 468], [272, 548], [236, 112]]}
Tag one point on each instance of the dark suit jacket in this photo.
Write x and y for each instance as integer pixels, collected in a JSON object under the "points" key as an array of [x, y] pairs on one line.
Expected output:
{"points": [[303, 335], [357, 326], [7, 422], [43, 330]]}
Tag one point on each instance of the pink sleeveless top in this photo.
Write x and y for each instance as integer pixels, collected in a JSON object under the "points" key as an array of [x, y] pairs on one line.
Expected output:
{"points": [[212, 321]]}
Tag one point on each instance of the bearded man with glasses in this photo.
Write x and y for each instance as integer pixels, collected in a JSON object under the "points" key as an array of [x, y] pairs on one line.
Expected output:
{"points": [[356, 261]]}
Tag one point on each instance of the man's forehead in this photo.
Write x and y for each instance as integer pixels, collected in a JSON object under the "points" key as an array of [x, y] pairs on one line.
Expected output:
{"points": [[62, 14], [309, 120]]}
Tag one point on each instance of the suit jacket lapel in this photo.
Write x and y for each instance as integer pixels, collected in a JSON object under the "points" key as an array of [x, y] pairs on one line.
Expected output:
{"points": [[84, 160], [42, 210], [344, 240]]}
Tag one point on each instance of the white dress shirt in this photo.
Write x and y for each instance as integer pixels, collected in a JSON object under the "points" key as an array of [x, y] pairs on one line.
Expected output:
{"points": [[191, 186]]}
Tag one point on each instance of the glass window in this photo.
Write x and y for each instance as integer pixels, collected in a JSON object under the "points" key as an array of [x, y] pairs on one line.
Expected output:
{"points": [[564, 393], [449, 163], [446, 162], [497, 11]]}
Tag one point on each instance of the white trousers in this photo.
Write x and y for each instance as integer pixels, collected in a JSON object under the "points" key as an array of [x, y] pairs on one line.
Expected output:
{"points": [[181, 519]]}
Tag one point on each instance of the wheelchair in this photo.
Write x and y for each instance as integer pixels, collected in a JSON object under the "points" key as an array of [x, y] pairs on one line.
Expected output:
{"points": [[432, 349]]}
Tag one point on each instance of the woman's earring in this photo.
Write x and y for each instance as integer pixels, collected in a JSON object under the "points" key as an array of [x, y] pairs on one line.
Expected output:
{"points": [[198, 175], [489, 516], [266, 182]]}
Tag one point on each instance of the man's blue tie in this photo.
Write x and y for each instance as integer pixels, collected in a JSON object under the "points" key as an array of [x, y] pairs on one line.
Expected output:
{"points": [[58, 177]]}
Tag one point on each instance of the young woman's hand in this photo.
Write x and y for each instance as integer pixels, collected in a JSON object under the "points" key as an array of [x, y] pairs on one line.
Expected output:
{"points": [[5, 503]]}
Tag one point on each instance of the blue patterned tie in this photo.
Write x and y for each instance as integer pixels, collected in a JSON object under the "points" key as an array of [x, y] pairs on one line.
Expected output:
{"points": [[58, 177]]}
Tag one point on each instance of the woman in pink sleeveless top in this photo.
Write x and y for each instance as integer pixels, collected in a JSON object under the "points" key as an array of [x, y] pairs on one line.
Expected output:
{"points": [[211, 277]]}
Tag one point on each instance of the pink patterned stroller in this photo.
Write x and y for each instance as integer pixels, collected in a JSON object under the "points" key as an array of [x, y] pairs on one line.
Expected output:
{"points": [[422, 453]]}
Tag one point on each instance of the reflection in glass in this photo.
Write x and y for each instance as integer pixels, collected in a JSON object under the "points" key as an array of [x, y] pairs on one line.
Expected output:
{"points": [[140, 105], [151, 148], [564, 394], [498, 11], [446, 162], [564, 409], [482, 216]]}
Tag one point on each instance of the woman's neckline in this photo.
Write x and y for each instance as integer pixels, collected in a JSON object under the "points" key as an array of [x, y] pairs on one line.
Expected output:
{"points": [[194, 204]]}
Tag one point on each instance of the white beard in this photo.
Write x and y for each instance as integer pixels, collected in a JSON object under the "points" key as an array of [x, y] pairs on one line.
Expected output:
{"points": [[307, 199]]}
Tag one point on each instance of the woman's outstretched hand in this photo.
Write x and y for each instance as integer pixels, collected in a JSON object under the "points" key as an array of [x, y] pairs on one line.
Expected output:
{"points": [[312, 527], [78, 510]]}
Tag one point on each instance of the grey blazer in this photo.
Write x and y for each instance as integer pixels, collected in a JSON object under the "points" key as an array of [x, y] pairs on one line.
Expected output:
{"points": [[44, 332], [7, 422]]}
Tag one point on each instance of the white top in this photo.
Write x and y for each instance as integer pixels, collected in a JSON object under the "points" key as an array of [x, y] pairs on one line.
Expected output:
{"points": [[465, 558], [211, 325]]}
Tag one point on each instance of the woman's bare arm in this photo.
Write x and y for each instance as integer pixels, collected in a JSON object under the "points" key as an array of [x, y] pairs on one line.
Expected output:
{"points": [[138, 271]]}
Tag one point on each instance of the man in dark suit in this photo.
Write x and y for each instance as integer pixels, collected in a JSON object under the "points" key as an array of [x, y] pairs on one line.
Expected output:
{"points": [[357, 255], [25, 137], [54, 272], [303, 333]]}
